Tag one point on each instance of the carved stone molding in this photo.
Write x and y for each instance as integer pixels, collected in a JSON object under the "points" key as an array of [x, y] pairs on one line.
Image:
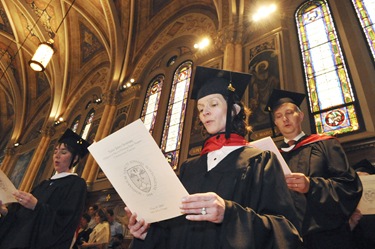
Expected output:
{"points": [[359, 145], [359, 150], [48, 131], [111, 97], [9, 151], [232, 33]]}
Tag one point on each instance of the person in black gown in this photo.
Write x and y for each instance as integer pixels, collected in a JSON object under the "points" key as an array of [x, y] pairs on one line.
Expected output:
{"points": [[238, 197], [326, 190], [84, 231], [363, 226], [48, 216]]}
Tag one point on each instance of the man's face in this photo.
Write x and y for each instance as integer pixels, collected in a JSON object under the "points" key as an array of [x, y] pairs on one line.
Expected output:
{"points": [[110, 218], [288, 120], [83, 223], [91, 211]]}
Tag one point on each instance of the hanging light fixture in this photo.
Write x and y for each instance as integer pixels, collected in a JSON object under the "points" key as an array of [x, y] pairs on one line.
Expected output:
{"points": [[45, 50], [42, 56]]}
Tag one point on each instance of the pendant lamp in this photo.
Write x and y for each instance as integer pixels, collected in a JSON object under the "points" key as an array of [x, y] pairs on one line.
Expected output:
{"points": [[42, 56], [45, 49]]}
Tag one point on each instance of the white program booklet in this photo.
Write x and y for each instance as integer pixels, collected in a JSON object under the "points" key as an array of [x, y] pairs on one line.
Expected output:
{"points": [[367, 203], [268, 144], [140, 173], [6, 189]]}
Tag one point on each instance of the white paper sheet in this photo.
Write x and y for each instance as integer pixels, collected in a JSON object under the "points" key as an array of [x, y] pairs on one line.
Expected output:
{"points": [[6, 189], [367, 203], [268, 144], [140, 173]]}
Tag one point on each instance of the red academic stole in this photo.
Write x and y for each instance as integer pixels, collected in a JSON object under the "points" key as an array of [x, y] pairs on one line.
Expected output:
{"points": [[216, 142], [311, 139]]}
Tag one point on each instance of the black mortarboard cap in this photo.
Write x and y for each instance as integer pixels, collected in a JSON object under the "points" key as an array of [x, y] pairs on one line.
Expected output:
{"points": [[75, 141], [279, 97], [217, 81], [210, 80], [364, 166]]}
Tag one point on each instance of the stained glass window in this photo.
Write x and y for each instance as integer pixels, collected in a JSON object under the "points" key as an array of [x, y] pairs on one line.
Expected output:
{"points": [[151, 104], [366, 14], [172, 134], [330, 93], [75, 124], [88, 122]]}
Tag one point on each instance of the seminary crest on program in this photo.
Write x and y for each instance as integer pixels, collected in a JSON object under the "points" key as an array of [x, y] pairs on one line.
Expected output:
{"points": [[140, 176], [369, 195]]}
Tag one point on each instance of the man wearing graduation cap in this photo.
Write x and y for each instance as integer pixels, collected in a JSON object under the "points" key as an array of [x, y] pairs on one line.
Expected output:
{"points": [[49, 215], [238, 197], [326, 189]]}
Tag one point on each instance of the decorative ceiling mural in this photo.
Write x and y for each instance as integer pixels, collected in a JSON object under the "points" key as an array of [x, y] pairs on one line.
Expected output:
{"points": [[114, 39]]}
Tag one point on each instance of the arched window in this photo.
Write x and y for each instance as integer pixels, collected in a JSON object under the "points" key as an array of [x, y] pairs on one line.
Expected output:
{"points": [[366, 14], [174, 121], [330, 92], [151, 104], [75, 124], [88, 122]]}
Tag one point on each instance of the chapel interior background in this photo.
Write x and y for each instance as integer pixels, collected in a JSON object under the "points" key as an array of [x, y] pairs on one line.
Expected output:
{"points": [[103, 44]]}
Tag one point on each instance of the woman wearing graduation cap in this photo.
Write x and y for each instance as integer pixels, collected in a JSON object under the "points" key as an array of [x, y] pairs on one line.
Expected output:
{"points": [[238, 196], [49, 215]]}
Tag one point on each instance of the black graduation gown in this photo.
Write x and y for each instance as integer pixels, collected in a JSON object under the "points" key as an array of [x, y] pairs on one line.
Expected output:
{"points": [[82, 236], [335, 190], [256, 200], [364, 233], [53, 221]]}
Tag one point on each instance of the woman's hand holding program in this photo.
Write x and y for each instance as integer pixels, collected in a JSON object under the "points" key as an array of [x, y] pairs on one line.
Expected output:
{"points": [[137, 228], [3, 209], [25, 199], [204, 207]]}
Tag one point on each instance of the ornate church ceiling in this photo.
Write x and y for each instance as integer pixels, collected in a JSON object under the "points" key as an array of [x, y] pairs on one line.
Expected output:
{"points": [[98, 44]]}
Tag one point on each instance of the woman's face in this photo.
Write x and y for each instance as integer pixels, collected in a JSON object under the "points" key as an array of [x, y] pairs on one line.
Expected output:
{"points": [[213, 112], [97, 218], [62, 158]]}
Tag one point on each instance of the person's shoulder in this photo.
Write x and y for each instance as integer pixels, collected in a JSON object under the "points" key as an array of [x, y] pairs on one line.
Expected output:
{"points": [[250, 152], [75, 180], [76, 177], [190, 161], [106, 224], [317, 139]]}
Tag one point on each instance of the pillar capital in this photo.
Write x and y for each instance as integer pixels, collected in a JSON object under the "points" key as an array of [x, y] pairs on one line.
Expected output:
{"points": [[232, 33], [9, 151], [48, 131], [111, 97]]}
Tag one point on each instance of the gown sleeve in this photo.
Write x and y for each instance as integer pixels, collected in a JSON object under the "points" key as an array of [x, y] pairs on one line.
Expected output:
{"points": [[335, 189], [268, 218], [57, 215]]}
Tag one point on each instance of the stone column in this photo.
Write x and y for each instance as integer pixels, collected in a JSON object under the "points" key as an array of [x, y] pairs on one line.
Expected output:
{"points": [[238, 55], [33, 168], [91, 167], [5, 165], [229, 56], [230, 40]]}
